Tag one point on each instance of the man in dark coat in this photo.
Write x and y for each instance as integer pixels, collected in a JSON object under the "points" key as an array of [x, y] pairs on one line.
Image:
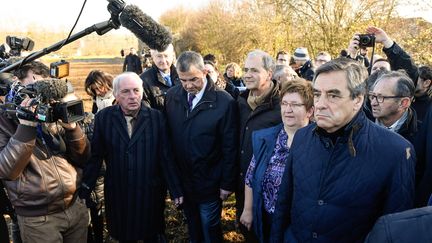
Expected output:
{"points": [[259, 108], [423, 92], [391, 100], [304, 63], [132, 140], [160, 77], [344, 171], [132, 62], [203, 124]]}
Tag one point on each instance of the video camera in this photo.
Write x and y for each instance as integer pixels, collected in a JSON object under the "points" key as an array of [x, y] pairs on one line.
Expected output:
{"points": [[14, 45], [46, 96]]}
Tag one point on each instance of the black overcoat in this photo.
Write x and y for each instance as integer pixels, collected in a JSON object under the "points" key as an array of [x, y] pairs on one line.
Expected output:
{"points": [[204, 141], [136, 171]]}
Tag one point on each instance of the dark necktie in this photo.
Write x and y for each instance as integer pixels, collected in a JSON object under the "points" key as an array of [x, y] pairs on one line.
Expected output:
{"points": [[190, 99]]}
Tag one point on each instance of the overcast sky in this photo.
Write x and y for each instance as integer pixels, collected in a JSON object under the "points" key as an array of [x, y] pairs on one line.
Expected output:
{"points": [[61, 14]]}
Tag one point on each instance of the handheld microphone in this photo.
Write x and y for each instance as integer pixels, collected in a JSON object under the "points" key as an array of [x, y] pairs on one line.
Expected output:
{"points": [[156, 36]]}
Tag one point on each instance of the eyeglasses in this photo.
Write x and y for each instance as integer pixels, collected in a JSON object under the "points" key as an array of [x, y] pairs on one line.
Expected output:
{"points": [[292, 105], [381, 98]]}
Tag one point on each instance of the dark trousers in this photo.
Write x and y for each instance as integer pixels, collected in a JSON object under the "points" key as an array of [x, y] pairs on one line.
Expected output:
{"points": [[249, 235], [204, 221], [4, 234], [95, 230]]}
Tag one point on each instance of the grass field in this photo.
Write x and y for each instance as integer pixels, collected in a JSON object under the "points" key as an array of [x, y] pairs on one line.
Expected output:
{"points": [[176, 227]]}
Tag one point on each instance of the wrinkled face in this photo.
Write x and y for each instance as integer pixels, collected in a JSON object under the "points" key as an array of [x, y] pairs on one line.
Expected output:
{"points": [[212, 72], [192, 80], [380, 65], [230, 72], [293, 111], [334, 107], [255, 77], [129, 95], [283, 59], [163, 60], [390, 106]]}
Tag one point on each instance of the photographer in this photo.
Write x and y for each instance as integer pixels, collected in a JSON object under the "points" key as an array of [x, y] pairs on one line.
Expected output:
{"points": [[357, 52], [396, 56], [39, 164]]}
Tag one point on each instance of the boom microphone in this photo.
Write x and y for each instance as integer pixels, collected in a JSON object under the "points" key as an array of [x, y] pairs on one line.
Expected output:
{"points": [[145, 28], [50, 89]]}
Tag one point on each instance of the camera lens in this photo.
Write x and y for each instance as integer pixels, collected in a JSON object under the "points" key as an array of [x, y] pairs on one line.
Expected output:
{"points": [[365, 40]]}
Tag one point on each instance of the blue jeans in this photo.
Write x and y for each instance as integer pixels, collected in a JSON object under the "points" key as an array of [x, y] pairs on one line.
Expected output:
{"points": [[204, 221]]}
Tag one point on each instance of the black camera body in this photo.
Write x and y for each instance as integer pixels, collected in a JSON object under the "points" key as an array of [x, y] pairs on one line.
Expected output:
{"points": [[18, 44], [366, 40], [70, 111]]}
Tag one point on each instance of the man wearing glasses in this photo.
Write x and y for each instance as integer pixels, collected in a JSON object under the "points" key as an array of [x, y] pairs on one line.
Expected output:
{"points": [[391, 99], [344, 171]]}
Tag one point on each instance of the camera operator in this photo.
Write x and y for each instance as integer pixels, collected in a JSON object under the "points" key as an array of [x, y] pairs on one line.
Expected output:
{"points": [[31, 72], [39, 165]]}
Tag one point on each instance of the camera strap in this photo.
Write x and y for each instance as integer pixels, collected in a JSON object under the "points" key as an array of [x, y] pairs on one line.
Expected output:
{"points": [[371, 59]]}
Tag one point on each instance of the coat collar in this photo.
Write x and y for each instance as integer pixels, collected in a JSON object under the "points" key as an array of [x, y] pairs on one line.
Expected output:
{"points": [[208, 100], [173, 75], [140, 123], [349, 131]]}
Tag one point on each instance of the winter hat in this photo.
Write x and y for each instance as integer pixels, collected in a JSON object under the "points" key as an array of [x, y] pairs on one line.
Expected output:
{"points": [[301, 54]]}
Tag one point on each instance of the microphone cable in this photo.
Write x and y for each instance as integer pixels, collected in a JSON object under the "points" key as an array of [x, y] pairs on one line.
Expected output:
{"points": [[69, 35]]}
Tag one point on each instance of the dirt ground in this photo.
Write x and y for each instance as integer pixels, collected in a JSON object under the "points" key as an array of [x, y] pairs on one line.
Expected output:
{"points": [[176, 228]]}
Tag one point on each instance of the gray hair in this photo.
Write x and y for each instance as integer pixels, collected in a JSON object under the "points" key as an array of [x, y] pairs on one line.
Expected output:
{"points": [[282, 70], [117, 80], [404, 85], [188, 59], [356, 74], [267, 60]]}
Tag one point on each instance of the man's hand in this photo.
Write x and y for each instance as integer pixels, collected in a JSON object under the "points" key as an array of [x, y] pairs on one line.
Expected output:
{"points": [[353, 46], [28, 106], [224, 194], [178, 201], [380, 36], [67, 126], [246, 218]]}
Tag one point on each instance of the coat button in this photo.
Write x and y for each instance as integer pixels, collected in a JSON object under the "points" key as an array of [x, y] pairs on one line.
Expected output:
{"points": [[327, 145], [241, 173], [314, 235], [320, 202], [242, 152], [247, 128]]}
